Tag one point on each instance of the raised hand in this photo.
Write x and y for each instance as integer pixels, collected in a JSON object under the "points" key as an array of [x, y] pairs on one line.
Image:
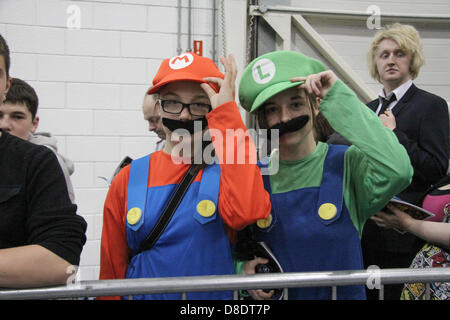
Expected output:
{"points": [[317, 84], [226, 85]]}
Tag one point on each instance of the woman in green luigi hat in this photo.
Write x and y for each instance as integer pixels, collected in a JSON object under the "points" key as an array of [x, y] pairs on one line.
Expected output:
{"points": [[321, 194]]}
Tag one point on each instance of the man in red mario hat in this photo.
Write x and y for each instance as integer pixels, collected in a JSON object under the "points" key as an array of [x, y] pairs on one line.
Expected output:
{"points": [[195, 97], [195, 79]]}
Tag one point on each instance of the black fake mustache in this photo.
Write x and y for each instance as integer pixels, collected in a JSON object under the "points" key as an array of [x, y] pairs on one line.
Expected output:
{"points": [[173, 125], [290, 126]]}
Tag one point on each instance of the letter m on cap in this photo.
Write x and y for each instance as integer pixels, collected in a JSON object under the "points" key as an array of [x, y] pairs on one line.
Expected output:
{"points": [[181, 61], [185, 58]]}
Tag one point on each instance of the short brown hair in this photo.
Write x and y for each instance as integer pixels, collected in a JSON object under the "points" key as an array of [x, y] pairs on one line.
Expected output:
{"points": [[22, 92]]}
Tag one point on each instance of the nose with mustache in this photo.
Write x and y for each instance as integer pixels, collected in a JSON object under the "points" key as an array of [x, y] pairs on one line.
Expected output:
{"points": [[190, 126], [173, 125], [290, 126]]}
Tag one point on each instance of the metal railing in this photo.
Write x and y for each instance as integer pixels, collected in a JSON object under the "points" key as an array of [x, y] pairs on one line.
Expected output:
{"points": [[437, 19], [333, 279]]}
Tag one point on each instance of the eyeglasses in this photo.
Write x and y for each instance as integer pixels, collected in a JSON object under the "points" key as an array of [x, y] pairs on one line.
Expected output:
{"points": [[176, 107]]}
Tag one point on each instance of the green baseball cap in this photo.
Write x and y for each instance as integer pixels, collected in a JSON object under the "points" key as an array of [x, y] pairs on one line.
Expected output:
{"points": [[270, 74]]}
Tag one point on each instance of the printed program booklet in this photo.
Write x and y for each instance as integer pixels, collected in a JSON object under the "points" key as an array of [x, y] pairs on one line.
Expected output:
{"points": [[410, 209]]}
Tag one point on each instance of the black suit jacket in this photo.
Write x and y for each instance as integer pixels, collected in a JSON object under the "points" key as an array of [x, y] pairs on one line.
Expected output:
{"points": [[422, 127]]}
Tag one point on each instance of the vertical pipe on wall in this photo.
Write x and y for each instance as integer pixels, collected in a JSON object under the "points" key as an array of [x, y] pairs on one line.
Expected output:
{"points": [[179, 49], [213, 53], [189, 27], [222, 35]]}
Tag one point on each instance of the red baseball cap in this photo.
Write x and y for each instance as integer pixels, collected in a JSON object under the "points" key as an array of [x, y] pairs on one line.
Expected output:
{"points": [[185, 67]]}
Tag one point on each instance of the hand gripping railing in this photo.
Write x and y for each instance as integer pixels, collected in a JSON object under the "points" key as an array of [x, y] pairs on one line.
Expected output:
{"points": [[125, 287]]}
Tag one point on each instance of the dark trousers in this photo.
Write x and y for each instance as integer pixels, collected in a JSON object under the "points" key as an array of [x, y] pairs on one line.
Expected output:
{"points": [[387, 249]]}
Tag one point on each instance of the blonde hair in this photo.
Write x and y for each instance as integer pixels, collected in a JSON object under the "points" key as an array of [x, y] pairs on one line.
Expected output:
{"points": [[408, 39]]}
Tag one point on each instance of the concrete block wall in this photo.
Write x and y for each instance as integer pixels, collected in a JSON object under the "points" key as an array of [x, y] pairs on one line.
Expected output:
{"points": [[351, 39], [91, 81]]}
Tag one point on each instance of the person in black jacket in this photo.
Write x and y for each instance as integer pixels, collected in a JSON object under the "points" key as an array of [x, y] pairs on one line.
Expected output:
{"points": [[41, 236], [420, 120]]}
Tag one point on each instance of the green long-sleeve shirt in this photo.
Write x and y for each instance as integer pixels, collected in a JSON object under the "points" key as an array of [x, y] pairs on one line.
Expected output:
{"points": [[376, 165]]}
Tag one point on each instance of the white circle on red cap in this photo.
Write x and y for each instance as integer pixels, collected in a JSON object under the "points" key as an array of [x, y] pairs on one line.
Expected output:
{"points": [[181, 61], [263, 71]]}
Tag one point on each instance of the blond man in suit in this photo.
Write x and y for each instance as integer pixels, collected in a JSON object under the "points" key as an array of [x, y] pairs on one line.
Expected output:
{"points": [[420, 120]]}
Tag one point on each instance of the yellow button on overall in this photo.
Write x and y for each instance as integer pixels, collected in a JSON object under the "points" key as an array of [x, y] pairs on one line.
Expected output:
{"points": [[134, 215], [206, 208], [264, 223], [327, 211]]}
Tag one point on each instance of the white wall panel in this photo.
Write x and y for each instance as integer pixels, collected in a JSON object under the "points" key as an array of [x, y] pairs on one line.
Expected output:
{"points": [[36, 39], [51, 94], [18, 11], [148, 45], [25, 65], [91, 81], [100, 96], [132, 95], [54, 13], [92, 42], [119, 17], [66, 121], [64, 68]]}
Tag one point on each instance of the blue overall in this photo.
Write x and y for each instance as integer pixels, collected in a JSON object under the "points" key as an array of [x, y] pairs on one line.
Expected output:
{"points": [[191, 244], [302, 241]]}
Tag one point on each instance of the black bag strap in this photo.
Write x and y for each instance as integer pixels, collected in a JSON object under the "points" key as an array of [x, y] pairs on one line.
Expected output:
{"points": [[170, 208]]}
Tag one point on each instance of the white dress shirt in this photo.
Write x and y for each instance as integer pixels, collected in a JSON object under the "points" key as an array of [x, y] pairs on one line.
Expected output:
{"points": [[399, 93]]}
